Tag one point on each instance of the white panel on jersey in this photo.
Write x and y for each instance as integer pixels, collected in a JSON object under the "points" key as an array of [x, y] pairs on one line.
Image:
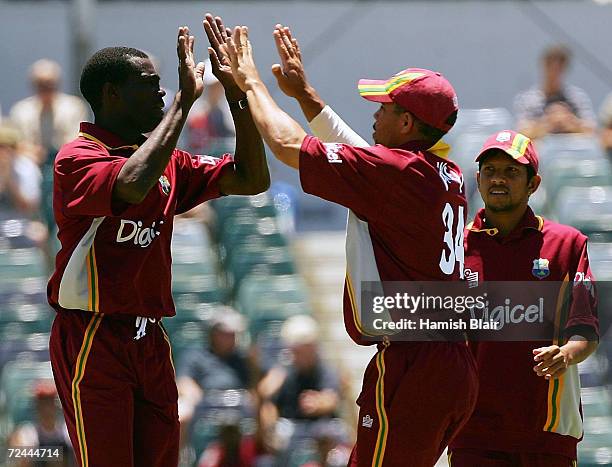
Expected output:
{"points": [[74, 286]]}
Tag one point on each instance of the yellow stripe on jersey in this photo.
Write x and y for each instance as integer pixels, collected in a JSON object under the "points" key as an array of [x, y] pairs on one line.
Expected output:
{"points": [[383, 422], [81, 363], [92, 281], [555, 385], [96, 140], [163, 329], [353, 301]]}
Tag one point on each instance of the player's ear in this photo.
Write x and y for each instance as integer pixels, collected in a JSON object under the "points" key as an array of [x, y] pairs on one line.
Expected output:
{"points": [[478, 178], [408, 122], [533, 184], [110, 94]]}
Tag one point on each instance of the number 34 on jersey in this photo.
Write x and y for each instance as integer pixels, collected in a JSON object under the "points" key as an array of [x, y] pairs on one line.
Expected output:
{"points": [[452, 251]]}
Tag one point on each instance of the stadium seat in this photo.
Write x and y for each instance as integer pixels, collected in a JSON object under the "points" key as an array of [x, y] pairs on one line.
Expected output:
{"points": [[566, 173], [252, 259], [596, 401], [567, 147], [16, 386], [482, 120], [588, 208]]}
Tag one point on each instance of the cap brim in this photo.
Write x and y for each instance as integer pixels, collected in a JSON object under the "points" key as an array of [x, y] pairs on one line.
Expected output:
{"points": [[374, 90], [511, 152]]}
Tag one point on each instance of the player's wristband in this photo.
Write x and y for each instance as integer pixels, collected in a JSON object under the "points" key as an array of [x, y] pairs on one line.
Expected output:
{"points": [[239, 105]]}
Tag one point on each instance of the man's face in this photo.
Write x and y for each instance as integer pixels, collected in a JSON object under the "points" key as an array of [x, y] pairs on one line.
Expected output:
{"points": [[46, 89], [503, 183], [554, 68], [140, 97], [389, 126], [222, 342]]}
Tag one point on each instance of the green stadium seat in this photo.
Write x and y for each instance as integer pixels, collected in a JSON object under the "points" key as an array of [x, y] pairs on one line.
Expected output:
{"points": [[16, 386], [564, 173], [268, 261], [257, 292], [587, 208]]}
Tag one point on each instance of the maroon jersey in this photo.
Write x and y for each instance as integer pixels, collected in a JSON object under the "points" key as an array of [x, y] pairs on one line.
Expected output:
{"points": [[115, 258], [407, 213], [526, 412]]}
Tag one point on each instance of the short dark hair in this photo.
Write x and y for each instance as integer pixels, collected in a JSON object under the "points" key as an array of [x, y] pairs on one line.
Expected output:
{"points": [[530, 170], [109, 65], [430, 134]]}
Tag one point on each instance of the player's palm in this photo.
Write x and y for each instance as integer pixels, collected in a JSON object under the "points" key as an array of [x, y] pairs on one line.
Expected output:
{"points": [[217, 35], [241, 57], [290, 74], [190, 73]]}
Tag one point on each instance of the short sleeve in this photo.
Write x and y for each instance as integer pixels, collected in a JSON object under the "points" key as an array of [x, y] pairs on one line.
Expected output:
{"points": [[86, 174], [199, 178], [190, 366], [583, 308], [347, 175], [528, 105]]}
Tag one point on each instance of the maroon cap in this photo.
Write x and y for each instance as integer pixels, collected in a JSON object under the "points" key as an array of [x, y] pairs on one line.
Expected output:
{"points": [[516, 145], [426, 94]]}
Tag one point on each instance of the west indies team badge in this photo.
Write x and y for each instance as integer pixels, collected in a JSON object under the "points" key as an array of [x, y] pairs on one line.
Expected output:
{"points": [[540, 268], [165, 185]]}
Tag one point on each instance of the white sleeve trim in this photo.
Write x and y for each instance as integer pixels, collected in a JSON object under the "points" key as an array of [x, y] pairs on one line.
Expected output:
{"points": [[330, 128]]}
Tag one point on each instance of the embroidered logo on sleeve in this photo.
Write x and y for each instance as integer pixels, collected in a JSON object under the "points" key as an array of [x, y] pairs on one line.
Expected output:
{"points": [[367, 421], [332, 150]]}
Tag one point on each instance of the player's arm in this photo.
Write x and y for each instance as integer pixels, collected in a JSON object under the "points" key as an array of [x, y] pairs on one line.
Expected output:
{"points": [[582, 325], [291, 77], [143, 169], [282, 134], [250, 174]]}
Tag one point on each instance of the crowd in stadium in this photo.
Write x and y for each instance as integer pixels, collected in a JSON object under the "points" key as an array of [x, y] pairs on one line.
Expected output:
{"points": [[251, 383]]}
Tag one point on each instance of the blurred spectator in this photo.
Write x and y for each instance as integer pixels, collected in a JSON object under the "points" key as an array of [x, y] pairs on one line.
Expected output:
{"points": [[605, 116], [554, 107], [48, 119], [300, 401], [220, 366], [48, 431], [232, 449], [210, 128], [20, 177]]}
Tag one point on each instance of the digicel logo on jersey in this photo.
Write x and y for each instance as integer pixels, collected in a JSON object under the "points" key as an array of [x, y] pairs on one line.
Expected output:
{"points": [[133, 231]]}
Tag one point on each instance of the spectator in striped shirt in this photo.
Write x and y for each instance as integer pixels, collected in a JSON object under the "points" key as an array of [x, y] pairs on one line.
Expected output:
{"points": [[554, 107]]}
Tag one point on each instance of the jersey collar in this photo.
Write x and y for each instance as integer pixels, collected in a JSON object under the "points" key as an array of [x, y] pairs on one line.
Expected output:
{"points": [[440, 149], [109, 140], [529, 222]]}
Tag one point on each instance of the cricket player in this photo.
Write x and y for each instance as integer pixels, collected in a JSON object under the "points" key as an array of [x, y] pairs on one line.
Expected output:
{"points": [[407, 211], [115, 196], [528, 411]]}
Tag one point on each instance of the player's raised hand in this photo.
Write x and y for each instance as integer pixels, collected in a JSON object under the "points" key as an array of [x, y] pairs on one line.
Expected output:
{"points": [[552, 361], [240, 54], [290, 72], [190, 73], [217, 35]]}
